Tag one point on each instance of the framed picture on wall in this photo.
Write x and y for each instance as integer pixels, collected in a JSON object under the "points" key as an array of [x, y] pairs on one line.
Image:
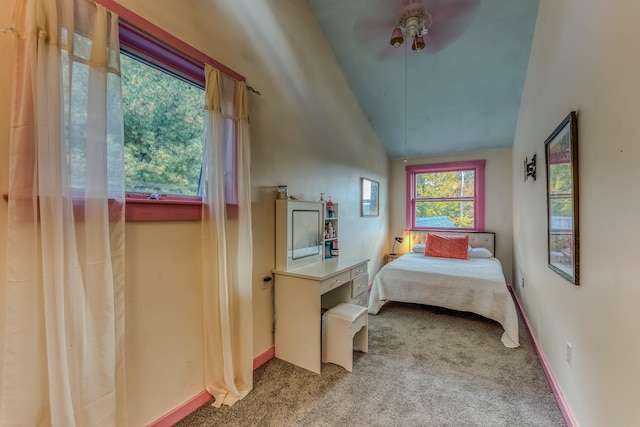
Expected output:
{"points": [[561, 152], [369, 197]]}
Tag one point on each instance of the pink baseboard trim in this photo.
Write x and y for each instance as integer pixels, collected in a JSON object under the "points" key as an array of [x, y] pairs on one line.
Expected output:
{"points": [[183, 410], [562, 403], [203, 397], [264, 358]]}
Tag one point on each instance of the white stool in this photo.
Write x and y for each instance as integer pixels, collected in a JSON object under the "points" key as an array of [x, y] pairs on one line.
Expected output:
{"points": [[344, 327]]}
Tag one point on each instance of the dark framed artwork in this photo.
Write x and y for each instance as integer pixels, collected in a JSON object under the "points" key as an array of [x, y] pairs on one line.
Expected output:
{"points": [[561, 152], [369, 197]]}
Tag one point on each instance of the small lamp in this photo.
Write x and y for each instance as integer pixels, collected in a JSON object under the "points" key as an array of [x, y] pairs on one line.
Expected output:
{"points": [[395, 239]]}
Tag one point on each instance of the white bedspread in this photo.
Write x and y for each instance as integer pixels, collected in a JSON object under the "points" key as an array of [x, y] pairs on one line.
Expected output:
{"points": [[475, 285]]}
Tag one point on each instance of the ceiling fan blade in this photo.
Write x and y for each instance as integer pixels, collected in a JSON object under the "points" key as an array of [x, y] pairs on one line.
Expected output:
{"points": [[373, 28], [450, 19]]}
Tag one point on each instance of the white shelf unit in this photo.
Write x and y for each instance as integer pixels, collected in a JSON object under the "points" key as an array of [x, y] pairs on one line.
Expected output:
{"points": [[330, 233]]}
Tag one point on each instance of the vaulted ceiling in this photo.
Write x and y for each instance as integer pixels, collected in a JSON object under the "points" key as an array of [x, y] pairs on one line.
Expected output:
{"points": [[460, 94]]}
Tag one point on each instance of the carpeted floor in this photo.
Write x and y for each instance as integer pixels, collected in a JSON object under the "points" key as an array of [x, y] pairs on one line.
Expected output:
{"points": [[425, 367]]}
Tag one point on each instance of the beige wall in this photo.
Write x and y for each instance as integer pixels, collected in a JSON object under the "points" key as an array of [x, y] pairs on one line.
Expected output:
{"points": [[585, 58], [308, 131], [498, 199]]}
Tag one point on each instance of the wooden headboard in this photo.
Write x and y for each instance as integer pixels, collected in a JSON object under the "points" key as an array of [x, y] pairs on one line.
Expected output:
{"points": [[477, 239]]}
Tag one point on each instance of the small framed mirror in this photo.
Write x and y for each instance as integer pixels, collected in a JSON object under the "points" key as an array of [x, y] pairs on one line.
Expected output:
{"points": [[369, 197]]}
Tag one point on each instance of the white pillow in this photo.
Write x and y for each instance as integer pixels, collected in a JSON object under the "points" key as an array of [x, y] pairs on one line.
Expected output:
{"points": [[480, 253], [419, 248]]}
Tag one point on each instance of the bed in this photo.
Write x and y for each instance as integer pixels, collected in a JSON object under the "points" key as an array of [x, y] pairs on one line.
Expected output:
{"points": [[474, 285]]}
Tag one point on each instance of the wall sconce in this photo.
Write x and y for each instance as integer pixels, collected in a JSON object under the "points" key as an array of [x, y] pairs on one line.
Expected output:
{"points": [[530, 168], [393, 247]]}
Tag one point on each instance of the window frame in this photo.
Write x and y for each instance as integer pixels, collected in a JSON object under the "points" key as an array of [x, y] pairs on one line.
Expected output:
{"points": [[145, 41], [144, 34], [478, 166]]}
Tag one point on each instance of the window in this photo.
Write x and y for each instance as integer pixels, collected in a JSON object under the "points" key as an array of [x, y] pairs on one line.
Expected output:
{"points": [[446, 196], [163, 117], [163, 103], [163, 130]]}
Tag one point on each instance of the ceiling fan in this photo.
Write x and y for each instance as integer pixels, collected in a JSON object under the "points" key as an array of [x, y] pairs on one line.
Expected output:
{"points": [[430, 24], [413, 22]]}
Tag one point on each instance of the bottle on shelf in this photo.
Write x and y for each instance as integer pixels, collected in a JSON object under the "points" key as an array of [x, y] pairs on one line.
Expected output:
{"points": [[329, 208], [334, 248], [282, 192]]}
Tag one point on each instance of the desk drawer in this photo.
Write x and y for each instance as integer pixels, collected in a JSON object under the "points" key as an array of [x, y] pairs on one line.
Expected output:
{"points": [[361, 300], [358, 271], [359, 285], [334, 281]]}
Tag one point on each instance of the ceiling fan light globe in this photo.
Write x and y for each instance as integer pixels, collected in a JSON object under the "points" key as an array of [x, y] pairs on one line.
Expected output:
{"points": [[397, 42], [396, 38], [418, 43]]}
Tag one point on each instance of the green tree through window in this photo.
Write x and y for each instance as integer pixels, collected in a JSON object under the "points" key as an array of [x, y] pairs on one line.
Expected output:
{"points": [[439, 189], [163, 130]]}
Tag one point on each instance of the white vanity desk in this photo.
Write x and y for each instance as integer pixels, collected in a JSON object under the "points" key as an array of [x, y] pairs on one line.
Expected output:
{"points": [[300, 295]]}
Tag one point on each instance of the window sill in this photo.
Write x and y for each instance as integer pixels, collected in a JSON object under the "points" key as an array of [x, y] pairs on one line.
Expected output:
{"points": [[168, 208], [139, 208]]}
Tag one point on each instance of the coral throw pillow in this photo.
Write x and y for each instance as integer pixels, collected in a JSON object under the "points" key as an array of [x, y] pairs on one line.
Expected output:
{"points": [[447, 246]]}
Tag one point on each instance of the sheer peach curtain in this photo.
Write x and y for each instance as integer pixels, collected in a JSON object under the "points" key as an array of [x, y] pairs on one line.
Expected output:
{"points": [[227, 245], [63, 340]]}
